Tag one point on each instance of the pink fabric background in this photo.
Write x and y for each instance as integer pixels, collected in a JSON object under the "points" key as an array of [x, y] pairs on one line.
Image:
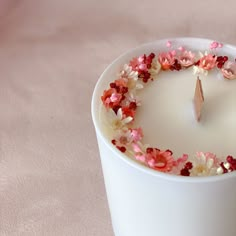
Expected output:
{"points": [[51, 55]]}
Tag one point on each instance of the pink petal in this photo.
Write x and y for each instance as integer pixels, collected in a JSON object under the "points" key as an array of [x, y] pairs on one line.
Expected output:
{"points": [[173, 52], [137, 134], [168, 44], [140, 157], [143, 67], [140, 59], [181, 48], [115, 97], [136, 148], [214, 45], [229, 70]]}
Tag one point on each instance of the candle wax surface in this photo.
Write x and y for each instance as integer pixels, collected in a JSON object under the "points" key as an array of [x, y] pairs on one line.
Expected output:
{"points": [[166, 114]]}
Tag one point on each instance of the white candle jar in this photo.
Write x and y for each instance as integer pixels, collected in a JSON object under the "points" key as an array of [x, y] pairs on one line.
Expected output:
{"points": [[144, 202]]}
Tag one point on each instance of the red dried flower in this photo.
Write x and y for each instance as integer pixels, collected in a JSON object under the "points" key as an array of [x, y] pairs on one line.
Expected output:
{"points": [[126, 111], [111, 98]]}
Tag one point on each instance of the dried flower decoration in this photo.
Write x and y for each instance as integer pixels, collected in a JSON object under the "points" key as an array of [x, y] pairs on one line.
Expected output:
{"points": [[229, 70], [121, 102]]}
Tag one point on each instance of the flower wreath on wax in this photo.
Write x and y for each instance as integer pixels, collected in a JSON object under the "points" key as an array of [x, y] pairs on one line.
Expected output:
{"points": [[121, 103]]}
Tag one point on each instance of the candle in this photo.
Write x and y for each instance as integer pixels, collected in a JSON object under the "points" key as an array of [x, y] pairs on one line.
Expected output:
{"points": [[142, 199]]}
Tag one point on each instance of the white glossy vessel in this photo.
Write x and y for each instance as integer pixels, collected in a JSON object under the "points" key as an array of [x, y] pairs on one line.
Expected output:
{"points": [[144, 202]]}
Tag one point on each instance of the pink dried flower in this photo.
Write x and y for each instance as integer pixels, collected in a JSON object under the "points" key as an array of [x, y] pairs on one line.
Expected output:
{"points": [[207, 62], [214, 45], [159, 160], [134, 63], [168, 44], [140, 157], [115, 97], [229, 70], [141, 59], [186, 58], [179, 163], [208, 155], [166, 59], [139, 63], [136, 148], [181, 159], [128, 137], [122, 138], [139, 154], [136, 134], [181, 48], [143, 67], [173, 53]]}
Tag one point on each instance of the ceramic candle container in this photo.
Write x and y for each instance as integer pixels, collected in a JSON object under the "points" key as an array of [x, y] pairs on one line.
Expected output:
{"points": [[147, 202]]}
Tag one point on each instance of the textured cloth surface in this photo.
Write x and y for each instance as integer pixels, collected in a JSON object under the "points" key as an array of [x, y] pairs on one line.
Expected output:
{"points": [[51, 55]]}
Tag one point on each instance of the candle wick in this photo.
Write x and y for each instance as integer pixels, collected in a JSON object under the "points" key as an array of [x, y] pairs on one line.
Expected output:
{"points": [[198, 99]]}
